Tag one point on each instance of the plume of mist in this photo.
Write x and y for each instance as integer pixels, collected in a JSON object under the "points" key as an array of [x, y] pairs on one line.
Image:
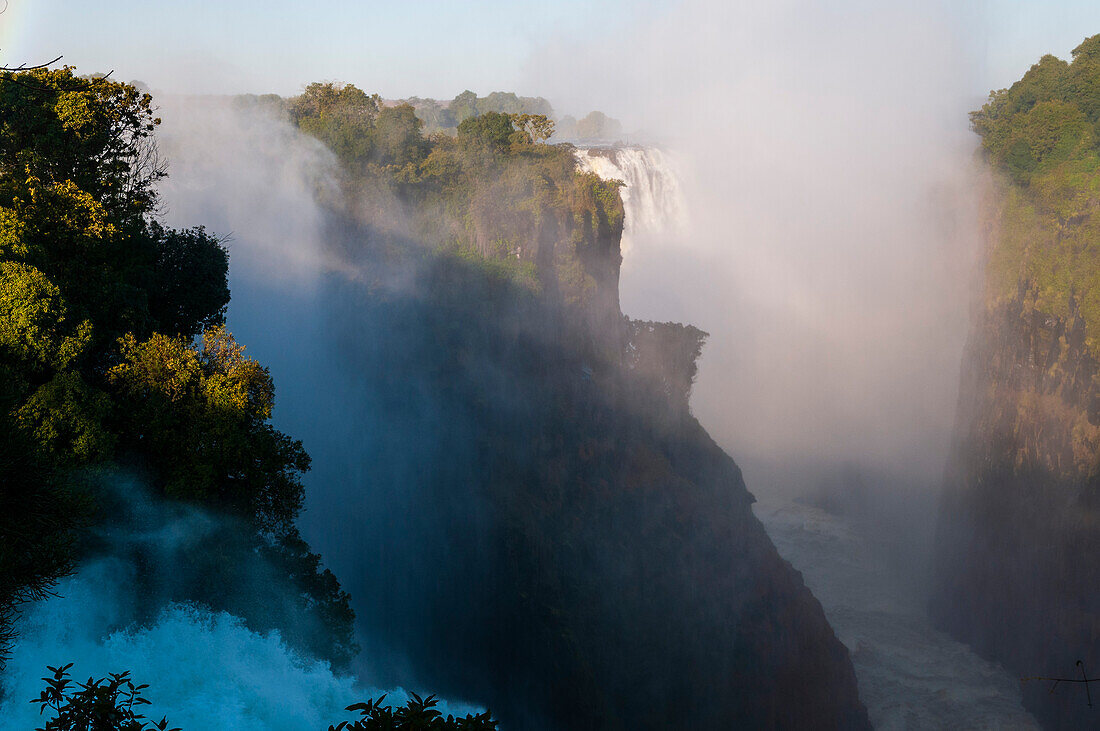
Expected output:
{"points": [[830, 208], [241, 170], [206, 670], [305, 321]]}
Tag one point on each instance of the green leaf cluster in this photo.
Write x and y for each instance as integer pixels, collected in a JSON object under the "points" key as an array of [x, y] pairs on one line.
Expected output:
{"points": [[203, 412]]}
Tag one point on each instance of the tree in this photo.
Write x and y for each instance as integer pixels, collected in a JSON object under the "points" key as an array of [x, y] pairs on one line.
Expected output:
{"points": [[435, 116], [99, 308], [78, 168], [80, 264], [340, 115], [398, 138], [191, 281], [597, 126], [464, 106], [491, 129], [198, 415], [537, 127]]}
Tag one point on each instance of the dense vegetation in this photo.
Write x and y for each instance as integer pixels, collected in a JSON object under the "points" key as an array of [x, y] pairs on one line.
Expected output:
{"points": [[100, 370], [1042, 136], [445, 117], [594, 126], [493, 196]]}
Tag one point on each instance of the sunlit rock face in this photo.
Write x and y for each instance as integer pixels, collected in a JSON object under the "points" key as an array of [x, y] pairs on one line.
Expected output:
{"points": [[1020, 520], [1019, 523]]}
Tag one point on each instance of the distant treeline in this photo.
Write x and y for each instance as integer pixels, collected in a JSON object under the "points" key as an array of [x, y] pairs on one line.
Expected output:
{"points": [[444, 117]]}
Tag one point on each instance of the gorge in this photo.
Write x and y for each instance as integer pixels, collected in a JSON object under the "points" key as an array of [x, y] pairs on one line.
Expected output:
{"points": [[395, 424], [505, 472], [314, 397]]}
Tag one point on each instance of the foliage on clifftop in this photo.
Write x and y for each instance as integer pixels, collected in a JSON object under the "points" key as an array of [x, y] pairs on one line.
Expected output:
{"points": [[495, 192], [1042, 135], [442, 116]]}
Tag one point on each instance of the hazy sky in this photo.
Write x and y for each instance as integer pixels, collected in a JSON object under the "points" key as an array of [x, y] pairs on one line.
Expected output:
{"points": [[427, 48], [824, 149]]}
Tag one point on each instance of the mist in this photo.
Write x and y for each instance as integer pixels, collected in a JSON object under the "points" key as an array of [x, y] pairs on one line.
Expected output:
{"points": [[207, 669], [831, 218], [830, 243], [821, 227], [534, 500], [347, 370]]}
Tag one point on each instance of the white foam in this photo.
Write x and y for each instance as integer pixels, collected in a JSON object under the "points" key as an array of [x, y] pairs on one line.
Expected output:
{"points": [[205, 670]]}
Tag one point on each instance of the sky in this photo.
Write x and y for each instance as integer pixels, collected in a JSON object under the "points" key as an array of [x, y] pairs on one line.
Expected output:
{"points": [[824, 149], [430, 48]]}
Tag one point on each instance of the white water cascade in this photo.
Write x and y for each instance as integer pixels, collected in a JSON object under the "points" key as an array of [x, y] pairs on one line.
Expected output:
{"points": [[652, 197]]}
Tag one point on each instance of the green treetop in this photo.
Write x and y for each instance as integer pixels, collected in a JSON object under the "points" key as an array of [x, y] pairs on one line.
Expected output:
{"points": [[1042, 137]]}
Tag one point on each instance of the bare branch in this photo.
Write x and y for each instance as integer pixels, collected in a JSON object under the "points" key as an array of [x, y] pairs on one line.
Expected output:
{"points": [[25, 67]]}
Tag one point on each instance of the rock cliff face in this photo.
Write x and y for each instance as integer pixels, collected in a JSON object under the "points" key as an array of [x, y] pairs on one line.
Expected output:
{"points": [[541, 525], [1019, 530]]}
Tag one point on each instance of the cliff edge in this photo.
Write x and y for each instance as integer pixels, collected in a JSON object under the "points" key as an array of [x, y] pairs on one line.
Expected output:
{"points": [[1019, 527]]}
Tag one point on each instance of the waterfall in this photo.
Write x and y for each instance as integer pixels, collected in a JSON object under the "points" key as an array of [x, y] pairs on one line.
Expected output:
{"points": [[652, 197]]}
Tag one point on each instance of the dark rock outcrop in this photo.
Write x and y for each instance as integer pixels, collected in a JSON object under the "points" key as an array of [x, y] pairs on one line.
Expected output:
{"points": [[542, 526]]}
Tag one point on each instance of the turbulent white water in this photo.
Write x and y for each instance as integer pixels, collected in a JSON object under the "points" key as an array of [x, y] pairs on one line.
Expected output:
{"points": [[910, 675], [205, 670]]}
